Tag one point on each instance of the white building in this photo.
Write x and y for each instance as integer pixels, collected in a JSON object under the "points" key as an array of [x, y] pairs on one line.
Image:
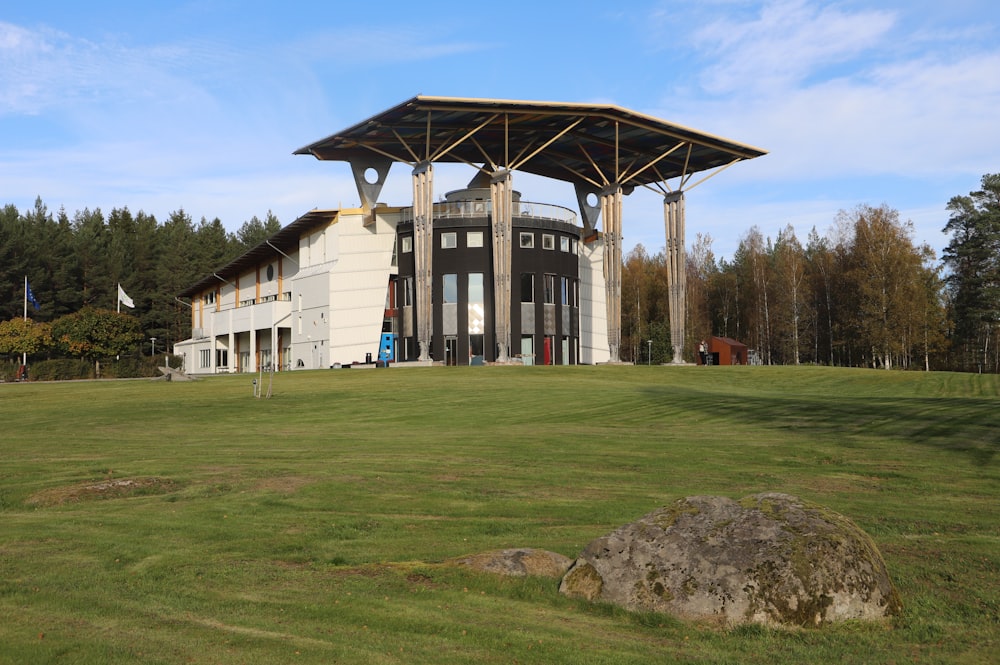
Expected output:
{"points": [[326, 291], [480, 277]]}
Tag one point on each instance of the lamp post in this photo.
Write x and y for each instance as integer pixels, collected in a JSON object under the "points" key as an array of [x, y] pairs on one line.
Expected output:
{"points": [[152, 341], [649, 352]]}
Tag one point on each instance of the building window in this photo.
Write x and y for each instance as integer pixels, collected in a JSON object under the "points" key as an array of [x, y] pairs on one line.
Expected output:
{"points": [[527, 240], [476, 296], [474, 239], [222, 357], [548, 241], [563, 244], [449, 283], [573, 245], [206, 357], [407, 295], [477, 318], [550, 289], [476, 349], [527, 350], [406, 244], [210, 298], [527, 287], [449, 240], [564, 290]]}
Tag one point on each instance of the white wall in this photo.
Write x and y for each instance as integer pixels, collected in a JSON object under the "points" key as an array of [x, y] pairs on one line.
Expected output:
{"points": [[593, 307], [359, 284]]}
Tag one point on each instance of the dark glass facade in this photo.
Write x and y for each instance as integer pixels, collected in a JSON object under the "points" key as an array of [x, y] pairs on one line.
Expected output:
{"points": [[545, 286]]}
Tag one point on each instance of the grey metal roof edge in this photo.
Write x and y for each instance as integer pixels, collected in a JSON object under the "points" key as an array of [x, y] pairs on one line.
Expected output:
{"points": [[285, 239]]}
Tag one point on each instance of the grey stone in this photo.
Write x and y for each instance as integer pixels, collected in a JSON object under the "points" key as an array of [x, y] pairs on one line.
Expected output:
{"points": [[768, 559], [519, 562]]}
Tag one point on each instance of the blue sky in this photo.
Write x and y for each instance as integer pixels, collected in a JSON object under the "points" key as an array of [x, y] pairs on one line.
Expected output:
{"points": [[199, 105]]}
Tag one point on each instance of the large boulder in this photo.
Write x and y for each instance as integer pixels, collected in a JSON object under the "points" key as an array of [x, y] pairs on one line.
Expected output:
{"points": [[769, 559]]}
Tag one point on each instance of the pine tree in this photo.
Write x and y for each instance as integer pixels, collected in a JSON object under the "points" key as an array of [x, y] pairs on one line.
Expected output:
{"points": [[973, 260]]}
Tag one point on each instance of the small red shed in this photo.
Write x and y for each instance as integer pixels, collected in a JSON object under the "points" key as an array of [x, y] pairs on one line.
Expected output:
{"points": [[724, 351]]}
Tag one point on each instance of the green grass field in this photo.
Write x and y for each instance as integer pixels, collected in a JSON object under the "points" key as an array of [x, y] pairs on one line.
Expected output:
{"points": [[152, 522]]}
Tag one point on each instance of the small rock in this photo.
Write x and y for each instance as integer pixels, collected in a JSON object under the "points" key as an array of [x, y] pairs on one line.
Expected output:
{"points": [[519, 562]]}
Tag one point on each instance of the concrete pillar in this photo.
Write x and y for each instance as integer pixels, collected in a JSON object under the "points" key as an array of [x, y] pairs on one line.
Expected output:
{"points": [[501, 196], [423, 250], [673, 220], [611, 213]]}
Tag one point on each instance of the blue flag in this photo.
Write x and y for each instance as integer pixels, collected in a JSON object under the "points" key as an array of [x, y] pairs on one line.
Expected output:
{"points": [[30, 295]]}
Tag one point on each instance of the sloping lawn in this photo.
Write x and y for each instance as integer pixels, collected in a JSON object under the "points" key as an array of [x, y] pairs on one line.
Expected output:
{"points": [[154, 522]]}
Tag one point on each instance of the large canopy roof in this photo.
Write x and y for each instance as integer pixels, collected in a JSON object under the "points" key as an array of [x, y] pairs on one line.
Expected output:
{"points": [[587, 144]]}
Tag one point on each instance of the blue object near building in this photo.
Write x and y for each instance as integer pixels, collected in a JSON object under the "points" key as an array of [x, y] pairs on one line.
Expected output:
{"points": [[387, 348]]}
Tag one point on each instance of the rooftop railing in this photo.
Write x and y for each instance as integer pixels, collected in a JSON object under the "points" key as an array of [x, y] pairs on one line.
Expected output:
{"points": [[458, 209]]}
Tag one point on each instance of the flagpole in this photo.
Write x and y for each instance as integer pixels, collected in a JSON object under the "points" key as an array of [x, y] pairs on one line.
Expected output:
{"points": [[119, 297], [24, 356]]}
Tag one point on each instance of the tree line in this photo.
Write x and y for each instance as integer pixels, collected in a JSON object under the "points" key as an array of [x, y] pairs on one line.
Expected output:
{"points": [[865, 294], [75, 264]]}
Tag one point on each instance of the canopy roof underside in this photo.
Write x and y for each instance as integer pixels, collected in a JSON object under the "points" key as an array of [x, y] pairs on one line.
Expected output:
{"points": [[585, 144]]}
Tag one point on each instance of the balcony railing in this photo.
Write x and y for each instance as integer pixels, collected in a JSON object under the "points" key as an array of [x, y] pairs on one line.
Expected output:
{"points": [[457, 209]]}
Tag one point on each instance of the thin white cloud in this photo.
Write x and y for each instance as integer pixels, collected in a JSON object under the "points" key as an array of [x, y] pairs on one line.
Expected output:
{"points": [[372, 47], [822, 112], [785, 44]]}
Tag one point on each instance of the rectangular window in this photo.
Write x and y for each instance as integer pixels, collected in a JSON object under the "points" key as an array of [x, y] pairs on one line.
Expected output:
{"points": [[548, 241], [474, 239], [449, 284], [527, 240], [550, 289], [449, 240], [406, 244], [407, 295], [476, 288], [573, 245], [563, 244], [477, 314], [475, 349], [564, 290], [527, 350], [222, 357], [527, 287], [206, 357]]}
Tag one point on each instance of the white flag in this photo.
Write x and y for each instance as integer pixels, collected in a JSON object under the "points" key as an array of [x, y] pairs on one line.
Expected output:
{"points": [[123, 298]]}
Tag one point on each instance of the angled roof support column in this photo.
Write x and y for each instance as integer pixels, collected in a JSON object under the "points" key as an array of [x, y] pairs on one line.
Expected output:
{"points": [[501, 196], [589, 214], [611, 213], [423, 251], [369, 191], [673, 220]]}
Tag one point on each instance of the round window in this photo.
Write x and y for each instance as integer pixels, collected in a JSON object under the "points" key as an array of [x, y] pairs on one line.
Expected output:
{"points": [[270, 273]]}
